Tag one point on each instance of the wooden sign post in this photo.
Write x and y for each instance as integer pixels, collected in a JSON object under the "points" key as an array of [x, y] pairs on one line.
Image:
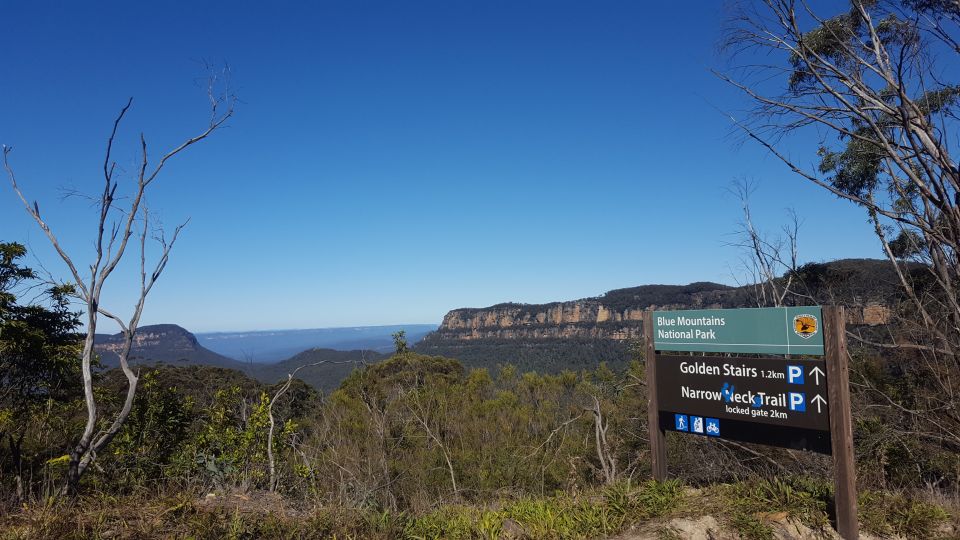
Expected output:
{"points": [[658, 442], [799, 398], [841, 423]]}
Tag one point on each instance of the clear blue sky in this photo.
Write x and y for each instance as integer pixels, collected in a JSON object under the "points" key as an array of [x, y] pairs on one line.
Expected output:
{"points": [[394, 160]]}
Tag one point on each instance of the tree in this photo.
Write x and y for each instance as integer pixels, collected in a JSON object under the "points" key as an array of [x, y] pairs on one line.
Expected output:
{"points": [[873, 83], [281, 390], [399, 341], [766, 259], [116, 227], [39, 351]]}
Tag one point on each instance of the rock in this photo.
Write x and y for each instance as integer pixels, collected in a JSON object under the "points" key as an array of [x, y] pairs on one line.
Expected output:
{"points": [[511, 530], [701, 528], [948, 530], [785, 528], [708, 528]]}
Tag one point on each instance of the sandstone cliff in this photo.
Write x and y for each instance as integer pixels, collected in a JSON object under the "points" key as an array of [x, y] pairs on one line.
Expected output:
{"points": [[582, 318], [161, 343], [617, 315]]}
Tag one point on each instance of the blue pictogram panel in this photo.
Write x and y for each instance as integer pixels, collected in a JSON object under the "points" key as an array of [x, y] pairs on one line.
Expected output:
{"points": [[713, 427]]}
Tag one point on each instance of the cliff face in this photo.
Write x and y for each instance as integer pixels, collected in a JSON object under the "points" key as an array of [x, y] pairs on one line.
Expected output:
{"points": [[581, 318], [161, 343], [617, 315], [170, 337]]}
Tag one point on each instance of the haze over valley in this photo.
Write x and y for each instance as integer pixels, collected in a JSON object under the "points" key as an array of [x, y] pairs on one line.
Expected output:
{"points": [[275, 345]]}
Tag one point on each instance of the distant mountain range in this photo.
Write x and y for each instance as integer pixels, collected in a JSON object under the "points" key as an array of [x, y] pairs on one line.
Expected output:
{"points": [[576, 334], [174, 345], [167, 343], [277, 345]]}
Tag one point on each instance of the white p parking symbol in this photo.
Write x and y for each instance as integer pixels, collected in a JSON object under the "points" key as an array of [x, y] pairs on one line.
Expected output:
{"points": [[795, 374], [798, 402]]}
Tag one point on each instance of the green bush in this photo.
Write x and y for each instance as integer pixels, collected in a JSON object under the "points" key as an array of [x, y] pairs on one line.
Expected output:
{"points": [[894, 513]]}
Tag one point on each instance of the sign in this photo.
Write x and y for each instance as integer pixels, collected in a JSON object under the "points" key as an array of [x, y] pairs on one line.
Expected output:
{"points": [[792, 330], [784, 401], [731, 395]]}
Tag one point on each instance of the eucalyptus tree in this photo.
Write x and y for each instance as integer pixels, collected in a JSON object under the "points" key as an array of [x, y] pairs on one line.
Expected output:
{"points": [[872, 88], [39, 359]]}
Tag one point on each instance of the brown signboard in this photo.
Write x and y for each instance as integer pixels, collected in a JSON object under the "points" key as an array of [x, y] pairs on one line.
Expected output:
{"points": [[782, 401], [721, 396], [766, 390]]}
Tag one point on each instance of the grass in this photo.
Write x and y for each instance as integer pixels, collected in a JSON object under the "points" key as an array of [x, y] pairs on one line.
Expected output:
{"points": [[562, 516], [744, 508], [559, 517], [884, 513], [747, 505]]}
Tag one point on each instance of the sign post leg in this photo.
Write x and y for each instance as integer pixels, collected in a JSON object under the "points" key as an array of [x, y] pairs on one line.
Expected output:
{"points": [[658, 443], [841, 424]]}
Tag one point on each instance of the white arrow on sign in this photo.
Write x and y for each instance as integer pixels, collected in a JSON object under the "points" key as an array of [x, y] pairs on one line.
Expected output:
{"points": [[816, 373], [818, 399]]}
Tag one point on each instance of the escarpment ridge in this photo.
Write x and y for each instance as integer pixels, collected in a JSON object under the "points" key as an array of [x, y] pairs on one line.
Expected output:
{"points": [[565, 334]]}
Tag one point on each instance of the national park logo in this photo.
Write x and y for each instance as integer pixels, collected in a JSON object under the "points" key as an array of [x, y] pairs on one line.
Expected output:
{"points": [[805, 326]]}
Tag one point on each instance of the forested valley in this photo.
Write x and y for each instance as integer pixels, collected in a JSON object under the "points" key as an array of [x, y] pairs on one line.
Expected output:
{"points": [[418, 446]]}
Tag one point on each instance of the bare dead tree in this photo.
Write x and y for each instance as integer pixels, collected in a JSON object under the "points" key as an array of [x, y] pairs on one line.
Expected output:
{"points": [[378, 473], [766, 259], [271, 462], [420, 414], [872, 83], [563, 426], [608, 464], [547, 458], [112, 239]]}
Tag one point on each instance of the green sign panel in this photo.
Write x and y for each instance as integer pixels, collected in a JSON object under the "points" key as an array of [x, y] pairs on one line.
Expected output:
{"points": [[792, 330]]}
